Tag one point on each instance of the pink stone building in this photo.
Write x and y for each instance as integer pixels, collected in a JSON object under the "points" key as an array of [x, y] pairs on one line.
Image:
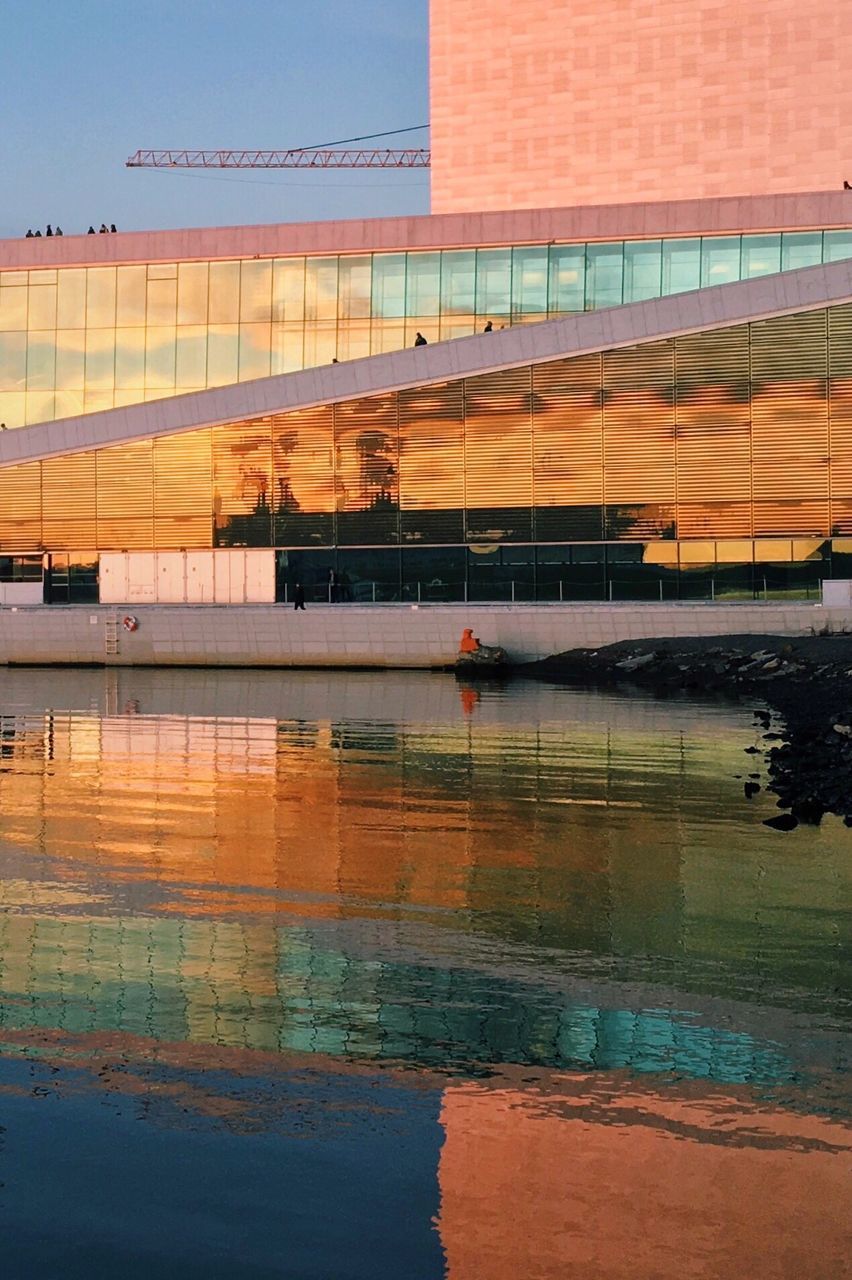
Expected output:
{"points": [[578, 102]]}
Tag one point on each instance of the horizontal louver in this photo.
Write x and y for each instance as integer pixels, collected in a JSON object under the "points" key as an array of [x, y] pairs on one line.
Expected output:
{"points": [[498, 457], [431, 463], [125, 496], [20, 508], [68, 502], [183, 492]]}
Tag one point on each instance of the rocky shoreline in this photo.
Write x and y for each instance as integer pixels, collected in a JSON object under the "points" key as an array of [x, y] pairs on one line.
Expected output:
{"points": [[806, 680]]}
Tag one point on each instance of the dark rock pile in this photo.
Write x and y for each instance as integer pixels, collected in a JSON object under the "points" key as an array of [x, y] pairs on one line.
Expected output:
{"points": [[807, 680]]}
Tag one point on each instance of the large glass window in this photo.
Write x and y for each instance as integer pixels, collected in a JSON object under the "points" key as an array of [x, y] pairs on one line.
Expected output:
{"points": [[129, 359], [321, 308], [604, 271], [321, 289], [193, 280], [288, 290], [224, 297], [354, 284], [42, 307], [643, 265], [761, 256], [493, 282], [13, 309], [567, 283], [130, 295], [720, 260], [529, 281], [423, 284], [681, 265], [388, 285], [458, 278], [837, 245], [100, 298], [256, 291], [800, 249], [13, 361]]}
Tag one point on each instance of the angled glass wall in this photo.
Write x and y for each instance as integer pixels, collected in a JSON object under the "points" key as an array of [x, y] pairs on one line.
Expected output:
{"points": [[713, 461], [79, 339]]}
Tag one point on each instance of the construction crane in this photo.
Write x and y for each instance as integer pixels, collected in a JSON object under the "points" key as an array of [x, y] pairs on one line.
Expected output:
{"points": [[324, 156], [297, 158]]}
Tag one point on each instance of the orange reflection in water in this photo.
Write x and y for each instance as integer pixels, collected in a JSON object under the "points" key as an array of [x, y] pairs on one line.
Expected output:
{"points": [[604, 1178]]}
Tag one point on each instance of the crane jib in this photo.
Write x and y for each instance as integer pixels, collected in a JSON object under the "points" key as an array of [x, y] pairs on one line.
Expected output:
{"points": [[358, 158]]}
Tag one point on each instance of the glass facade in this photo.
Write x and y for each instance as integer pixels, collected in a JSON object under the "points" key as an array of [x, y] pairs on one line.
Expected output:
{"points": [[76, 340], [718, 462]]}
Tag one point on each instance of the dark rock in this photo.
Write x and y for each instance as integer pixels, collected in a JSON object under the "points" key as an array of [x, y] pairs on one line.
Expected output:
{"points": [[782, 822]]}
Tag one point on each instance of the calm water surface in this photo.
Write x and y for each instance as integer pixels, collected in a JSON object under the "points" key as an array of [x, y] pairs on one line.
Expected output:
{"points": [[338, 976]]}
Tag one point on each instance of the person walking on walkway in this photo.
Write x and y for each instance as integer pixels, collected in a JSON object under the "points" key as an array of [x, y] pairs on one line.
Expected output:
{"points": [[298, 596], [419, 340]]}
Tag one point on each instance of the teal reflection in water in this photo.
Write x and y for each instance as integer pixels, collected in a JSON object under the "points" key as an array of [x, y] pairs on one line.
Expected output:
{"points": [[208, 878]]}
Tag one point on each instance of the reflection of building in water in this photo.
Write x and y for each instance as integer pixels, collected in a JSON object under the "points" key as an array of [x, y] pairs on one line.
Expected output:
{"points": [[616, 1181], [602, 843], [260, 986]]}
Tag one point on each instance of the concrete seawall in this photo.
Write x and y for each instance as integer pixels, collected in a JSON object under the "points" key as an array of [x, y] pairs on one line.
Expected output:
{"points": [[371, 635]]}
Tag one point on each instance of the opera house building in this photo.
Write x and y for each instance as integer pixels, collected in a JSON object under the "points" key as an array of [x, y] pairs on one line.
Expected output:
{"points": [[634, 399]]}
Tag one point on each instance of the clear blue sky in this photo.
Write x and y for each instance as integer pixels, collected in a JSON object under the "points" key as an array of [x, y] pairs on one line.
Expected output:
{"points": [[85, 82]]}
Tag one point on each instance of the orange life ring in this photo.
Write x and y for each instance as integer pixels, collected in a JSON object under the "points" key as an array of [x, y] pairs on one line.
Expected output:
{"points": [[130, 623]]}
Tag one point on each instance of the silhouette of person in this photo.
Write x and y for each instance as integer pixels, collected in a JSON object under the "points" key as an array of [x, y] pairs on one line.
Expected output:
{"points": [[58, 231], [49, 231], [91, 231], [102, 229], [488, 327], [112, 226], [298, 596], [38, 233], [419, 340], [29, 234]]}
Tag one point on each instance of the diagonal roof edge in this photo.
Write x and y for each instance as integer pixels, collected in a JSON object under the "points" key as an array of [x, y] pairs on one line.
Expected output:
{"points": [[721, 306]]}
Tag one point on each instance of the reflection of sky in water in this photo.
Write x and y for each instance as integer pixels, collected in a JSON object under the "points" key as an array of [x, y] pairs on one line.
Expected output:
{"points": [[207, 878]]}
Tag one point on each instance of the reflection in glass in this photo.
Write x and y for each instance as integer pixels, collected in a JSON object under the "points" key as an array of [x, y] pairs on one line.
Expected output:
{"points": [[761, 256], [800, 249], [129, 358], [192, 287], [493, 282], [160, 357], [720, 259], [567, 285], [423, 284], [642, 270], [681, 265], [13, 309], [321, 289], [604, 271], [389, 286], [224, 297], [458, 282], [255, 291], [355, 286], [529, 281], [130, 296]]}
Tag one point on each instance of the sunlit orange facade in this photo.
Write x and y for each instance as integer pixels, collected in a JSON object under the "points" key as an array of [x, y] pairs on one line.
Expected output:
{"points": [[577, 102], [705, 453]]}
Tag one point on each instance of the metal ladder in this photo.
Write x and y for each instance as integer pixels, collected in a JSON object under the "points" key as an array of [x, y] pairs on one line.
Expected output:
{"points": [[111, 635]]}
